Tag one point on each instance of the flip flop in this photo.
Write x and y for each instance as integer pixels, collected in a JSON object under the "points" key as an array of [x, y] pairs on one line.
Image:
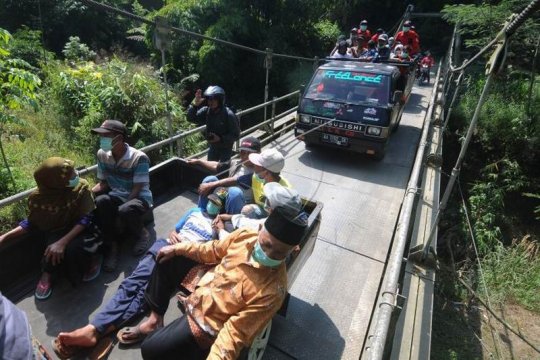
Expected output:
{"points": [[136, 331], [64, 351], [101, 349]]}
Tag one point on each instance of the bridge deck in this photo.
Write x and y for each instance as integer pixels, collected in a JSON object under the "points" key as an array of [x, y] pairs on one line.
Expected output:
{"points": [[334, 295]]}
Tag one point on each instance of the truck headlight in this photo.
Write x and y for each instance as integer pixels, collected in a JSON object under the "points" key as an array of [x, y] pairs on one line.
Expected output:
{"points": [[306, 119], [375, 131]]}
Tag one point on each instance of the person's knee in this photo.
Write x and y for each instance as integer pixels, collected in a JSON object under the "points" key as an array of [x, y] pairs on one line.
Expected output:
{"points": [[103, 200], [209, 178], [235, 200]]}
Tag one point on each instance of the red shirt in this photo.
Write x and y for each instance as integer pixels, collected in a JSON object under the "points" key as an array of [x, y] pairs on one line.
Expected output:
{"points": [[428, 60], [366, 34], [409, 38]]}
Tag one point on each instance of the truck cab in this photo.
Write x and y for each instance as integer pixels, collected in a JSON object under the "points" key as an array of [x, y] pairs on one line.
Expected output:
{"points": [[354, 105]]}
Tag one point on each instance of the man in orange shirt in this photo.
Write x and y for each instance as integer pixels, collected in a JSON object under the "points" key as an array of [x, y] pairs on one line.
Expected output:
{"points": [[232, 303]]}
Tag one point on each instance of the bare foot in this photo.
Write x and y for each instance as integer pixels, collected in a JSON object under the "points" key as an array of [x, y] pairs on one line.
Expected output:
{"points": [[86, 336]]}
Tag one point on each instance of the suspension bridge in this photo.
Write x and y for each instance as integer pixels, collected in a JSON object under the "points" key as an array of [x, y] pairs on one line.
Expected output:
{"points": [[367, 289]]}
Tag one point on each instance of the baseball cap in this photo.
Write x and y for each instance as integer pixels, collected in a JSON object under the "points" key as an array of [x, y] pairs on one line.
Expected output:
{"points": [[279, 196], [251, 144], [383, 37], [270, 159], [219, 196], [111, 126]]}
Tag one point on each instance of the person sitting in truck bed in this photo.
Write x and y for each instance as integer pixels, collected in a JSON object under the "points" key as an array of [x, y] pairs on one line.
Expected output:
{"points": [[236, 168], [232, 303], [267, 165], [128, 301], [60, 218]]}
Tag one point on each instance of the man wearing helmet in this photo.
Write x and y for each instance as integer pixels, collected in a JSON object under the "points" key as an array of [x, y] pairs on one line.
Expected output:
{"points": [[408, 37], [222, 128]]}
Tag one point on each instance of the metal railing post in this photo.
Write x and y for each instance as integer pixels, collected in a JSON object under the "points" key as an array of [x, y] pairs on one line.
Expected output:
{"points": [[273, 115]]}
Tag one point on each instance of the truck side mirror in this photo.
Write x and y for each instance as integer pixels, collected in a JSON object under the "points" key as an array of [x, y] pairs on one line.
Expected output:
{"points": [[397, 96]]}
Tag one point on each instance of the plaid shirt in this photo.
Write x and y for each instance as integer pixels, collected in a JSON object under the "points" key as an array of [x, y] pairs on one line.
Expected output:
{"points": [[132, 168]]}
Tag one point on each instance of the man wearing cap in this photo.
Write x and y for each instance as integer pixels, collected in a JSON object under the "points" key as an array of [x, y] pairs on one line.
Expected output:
{"points": [[222, 128], [408, 37], [276, 196], [123, 190], [364, 31], [267, 168], [232, 303], [382, 48], [236, 168]]}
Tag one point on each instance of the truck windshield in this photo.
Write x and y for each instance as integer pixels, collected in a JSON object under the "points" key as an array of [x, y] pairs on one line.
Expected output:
{"points": [[350, 87]]}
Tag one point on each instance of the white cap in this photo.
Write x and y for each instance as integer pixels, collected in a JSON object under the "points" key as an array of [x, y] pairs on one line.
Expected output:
{"points": [[270, 159], [279, 196]]}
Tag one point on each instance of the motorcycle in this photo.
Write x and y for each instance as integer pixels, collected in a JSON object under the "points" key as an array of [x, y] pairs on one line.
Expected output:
{"points": [[424, 74]]}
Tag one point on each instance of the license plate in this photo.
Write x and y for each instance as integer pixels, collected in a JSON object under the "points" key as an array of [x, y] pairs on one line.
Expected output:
{"points": [[335, 139]]}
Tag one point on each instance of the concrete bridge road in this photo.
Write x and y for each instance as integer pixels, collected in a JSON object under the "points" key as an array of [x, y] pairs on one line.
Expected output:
{"points": [[333, 297]]}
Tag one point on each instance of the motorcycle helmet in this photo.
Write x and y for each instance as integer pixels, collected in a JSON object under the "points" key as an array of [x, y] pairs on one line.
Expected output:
{"points": [[214, 91]]}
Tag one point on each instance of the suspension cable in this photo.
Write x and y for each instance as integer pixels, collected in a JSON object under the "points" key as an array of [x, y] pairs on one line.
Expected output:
{"points": [[480, 270]]}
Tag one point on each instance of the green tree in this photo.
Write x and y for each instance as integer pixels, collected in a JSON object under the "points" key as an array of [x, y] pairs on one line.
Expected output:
{"points": [[18, 86]]}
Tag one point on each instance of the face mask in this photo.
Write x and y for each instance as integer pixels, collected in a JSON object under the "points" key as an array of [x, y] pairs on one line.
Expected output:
{"points": [[363, 27], [260, 256], [267, 207], [404, 54], [105, 143], [259, 178], [73, 182], [406, 28], [212, 209]]}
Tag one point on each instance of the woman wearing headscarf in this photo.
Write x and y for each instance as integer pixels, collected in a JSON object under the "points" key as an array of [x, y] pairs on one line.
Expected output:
{"points": [[60, 217]]}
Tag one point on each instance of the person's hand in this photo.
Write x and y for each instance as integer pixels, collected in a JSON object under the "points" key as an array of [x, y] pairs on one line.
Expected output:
{"points": [[218, 224], [166, 253], [205, 189], [54, 253], [198, 100], [174, 238], [213, 138]]}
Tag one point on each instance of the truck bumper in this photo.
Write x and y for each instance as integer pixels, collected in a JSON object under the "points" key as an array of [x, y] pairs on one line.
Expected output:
{"points": [[356, 145]]}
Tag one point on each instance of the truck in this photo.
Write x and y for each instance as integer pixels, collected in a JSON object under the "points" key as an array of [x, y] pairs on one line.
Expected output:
{"points": [[354, 105], [174, 184]]}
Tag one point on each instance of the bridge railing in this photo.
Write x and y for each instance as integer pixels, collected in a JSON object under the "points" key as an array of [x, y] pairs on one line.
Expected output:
{"points": [[265, 129]]}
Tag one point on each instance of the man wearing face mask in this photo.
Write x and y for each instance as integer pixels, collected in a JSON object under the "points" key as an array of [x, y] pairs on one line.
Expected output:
{"points": [[363, 30], [408, 37], [267, 168], [123, 190], [233, 302], [222, 128]]}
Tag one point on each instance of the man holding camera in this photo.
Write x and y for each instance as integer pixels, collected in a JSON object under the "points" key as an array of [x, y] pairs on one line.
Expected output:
{"points": [[222, 128]]}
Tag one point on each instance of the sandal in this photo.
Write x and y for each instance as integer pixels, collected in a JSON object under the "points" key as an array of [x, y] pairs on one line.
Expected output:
{"points": [[94, 269], [137, 336], [101, 349], [43, 289], [64, 351]]}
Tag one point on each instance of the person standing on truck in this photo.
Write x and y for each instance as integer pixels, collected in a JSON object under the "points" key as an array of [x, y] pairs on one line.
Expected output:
{"points": [[408, 37], [364, 31], [383, 49], [236, 168], [342, 51], [379, 32], [222, 127], [123, 193], [232, 303], [60, 219]]}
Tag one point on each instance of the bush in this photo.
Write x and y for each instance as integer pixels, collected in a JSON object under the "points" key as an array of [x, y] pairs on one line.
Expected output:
{"points": [[513, 274], [76, 51]]}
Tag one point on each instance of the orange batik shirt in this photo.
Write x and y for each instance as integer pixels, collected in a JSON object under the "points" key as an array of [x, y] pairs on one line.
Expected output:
{"points": [[234, 301]]}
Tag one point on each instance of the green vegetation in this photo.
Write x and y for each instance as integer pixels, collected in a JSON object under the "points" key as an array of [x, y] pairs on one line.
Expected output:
{"points": [[499, 181]]}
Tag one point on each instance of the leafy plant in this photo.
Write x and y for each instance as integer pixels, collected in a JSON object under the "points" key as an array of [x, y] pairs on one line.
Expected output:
{"points": [[76, 51], [18, 86]]}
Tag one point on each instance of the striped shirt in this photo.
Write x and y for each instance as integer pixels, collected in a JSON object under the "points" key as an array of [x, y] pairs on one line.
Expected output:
{"points": [[132, 168]]}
